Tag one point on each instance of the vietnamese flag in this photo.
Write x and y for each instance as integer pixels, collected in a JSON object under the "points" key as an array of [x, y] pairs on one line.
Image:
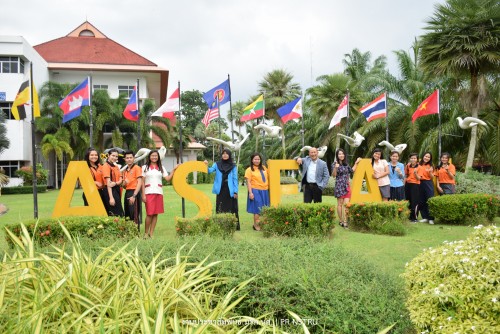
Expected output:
{"points": [[428, 107]]}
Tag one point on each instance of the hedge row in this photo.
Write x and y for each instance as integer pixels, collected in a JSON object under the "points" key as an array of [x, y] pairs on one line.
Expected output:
{"points": [[23, 190], [464, 208], [379, 217], [222, 225], [48, 231], [294, 220]]}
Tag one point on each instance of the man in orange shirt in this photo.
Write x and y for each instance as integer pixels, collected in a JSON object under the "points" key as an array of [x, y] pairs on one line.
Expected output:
{"points": [[132, 182]]}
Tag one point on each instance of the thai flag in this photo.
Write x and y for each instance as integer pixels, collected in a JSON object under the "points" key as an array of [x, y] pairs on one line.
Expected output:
{"points": [[72, 104], [131, 111], [375, 109], [291, 110]]}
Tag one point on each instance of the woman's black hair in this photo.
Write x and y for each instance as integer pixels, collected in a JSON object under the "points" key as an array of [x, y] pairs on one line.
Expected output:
{"points": [[87, 156], [440, 162], [375, 151], [422, 160], [251, 161], [343, 162], [148, 161]]}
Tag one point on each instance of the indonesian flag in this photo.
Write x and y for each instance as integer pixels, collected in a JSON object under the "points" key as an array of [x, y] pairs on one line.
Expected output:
{"points": [[170, 106], [428, 107], [341, 112]]}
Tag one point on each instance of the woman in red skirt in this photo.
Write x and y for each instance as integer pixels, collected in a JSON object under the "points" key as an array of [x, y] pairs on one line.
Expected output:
{"points": [[152, 192]]}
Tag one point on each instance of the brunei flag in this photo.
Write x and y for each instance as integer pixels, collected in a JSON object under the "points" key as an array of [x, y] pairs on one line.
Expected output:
{"points": [[22, 103]]}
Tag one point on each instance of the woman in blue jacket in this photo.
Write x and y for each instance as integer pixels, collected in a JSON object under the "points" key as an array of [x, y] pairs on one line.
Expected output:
{"points": [[225, 185]]}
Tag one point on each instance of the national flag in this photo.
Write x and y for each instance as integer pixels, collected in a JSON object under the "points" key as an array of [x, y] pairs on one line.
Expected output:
{"points": [[428, 107], [340, 113], [218, 95], [131, 111], [210, 115], [291, 110], [375, 109], [170, 106], [72, 104], [253, 110], [23, 100]]}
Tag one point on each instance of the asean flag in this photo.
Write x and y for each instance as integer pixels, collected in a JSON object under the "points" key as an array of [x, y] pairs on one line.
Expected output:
{"points": [[428, 106], [72, 104], [131, 111]]}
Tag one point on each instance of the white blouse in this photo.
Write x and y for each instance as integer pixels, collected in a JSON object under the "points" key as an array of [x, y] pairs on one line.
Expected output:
{"points": [[153, 180]]}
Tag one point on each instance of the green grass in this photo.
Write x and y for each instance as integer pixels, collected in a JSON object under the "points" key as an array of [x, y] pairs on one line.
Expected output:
{"points": [[388, 253]]}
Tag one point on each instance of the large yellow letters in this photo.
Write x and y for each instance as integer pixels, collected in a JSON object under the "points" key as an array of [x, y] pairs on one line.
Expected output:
{"points": [[364, 171], [78, 170], [274, 170], [191, 194]]}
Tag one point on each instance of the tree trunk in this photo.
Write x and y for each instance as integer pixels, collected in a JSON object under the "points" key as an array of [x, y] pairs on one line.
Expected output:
{"points": [[55, 172], [474, 99]]}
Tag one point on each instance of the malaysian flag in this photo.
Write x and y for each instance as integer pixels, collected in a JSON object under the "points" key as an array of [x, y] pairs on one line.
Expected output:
{"points": [[210, 115]]}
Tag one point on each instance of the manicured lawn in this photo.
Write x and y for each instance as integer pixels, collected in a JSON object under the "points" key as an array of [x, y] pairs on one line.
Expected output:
{"points": [[388, 253]]}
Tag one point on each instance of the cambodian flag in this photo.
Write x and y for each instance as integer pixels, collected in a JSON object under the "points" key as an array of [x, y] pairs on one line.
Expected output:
{"points": [[131, 111], [291, 110], [375, 109], [72, 104]]}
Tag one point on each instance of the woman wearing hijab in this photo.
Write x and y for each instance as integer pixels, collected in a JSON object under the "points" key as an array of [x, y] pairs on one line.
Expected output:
{"points": [[225, 185]]}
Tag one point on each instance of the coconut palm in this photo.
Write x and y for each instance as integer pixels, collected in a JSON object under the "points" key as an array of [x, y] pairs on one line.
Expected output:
{"points": [[462, 41], [57, 143], [4, 141]]}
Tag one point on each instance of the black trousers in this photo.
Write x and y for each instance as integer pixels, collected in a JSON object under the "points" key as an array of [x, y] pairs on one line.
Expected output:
{"points": [[413, 196], [133, 211], [312, 193], [426, 191]]}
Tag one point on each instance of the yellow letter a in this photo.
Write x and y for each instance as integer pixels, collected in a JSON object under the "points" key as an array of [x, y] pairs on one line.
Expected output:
{"points": [[364, 171]]}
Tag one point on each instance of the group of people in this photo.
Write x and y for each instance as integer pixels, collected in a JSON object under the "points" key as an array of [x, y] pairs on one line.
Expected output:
{"points": [[413, 181], [139, 185]]}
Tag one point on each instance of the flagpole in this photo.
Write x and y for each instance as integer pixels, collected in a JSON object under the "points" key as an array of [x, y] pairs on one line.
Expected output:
{"points": [[439, 128], [230, 108], [220, 121], [263, 132], [138, 117], [303, 110], [91, 125], [386, 118], [180, 142], [347, 124], [33, 147]]}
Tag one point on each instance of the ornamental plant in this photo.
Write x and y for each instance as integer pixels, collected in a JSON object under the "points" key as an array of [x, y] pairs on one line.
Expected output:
{"points": [[464, 208], [454, 288], [26, 173], [293, 220], [379, 217], [220, 225]]}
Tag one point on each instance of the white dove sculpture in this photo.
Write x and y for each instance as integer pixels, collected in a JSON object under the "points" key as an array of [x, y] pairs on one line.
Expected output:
{"points": [[321, 150], [354, 142], [233, 146], [399, 148], [469, 122], [143, 153], [271, 131]]}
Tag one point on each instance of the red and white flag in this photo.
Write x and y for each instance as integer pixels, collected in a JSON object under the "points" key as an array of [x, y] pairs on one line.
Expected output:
{"points": [[428, 106], [210, 115], [341, 112], [168, 109]]}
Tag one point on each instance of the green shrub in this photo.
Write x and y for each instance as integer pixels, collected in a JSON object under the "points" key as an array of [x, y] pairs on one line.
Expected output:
{"points": [[454, 288], [23, 190], [111, 290], [48, 231], [379, 217], [474, 182], [288, 180], [294, 220], [465, 208], [330, 187], [222, 225], [26, 173]]}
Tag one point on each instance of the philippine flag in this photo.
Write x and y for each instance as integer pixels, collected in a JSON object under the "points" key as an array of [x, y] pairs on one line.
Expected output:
{"points": [[72, 104], [170, 106], [375, 109], [131, 111], [291, 110]]}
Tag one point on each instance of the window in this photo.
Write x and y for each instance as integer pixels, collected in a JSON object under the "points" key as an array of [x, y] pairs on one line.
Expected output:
{"points": [[125, 90], [5, 109], [100, 87], [10, 167], [11, 65]]}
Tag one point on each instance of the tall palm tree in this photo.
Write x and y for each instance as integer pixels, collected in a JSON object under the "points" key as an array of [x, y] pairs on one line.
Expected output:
{"points": [[462, 41], [278, 89], [59, 144], [4, 141]]}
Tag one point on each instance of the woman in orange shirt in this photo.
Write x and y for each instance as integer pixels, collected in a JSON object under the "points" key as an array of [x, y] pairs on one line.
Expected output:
{"points": [[112, 180], [412, 182], [92, 158], [445, 175], [258, 185], [426, 187]]}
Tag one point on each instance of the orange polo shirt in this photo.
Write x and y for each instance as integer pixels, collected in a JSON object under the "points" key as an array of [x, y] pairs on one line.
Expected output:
{"points": [[131, 176], [427, 172], [410, 173], [97, 174], [111, 172], [255, 178], [443, 176]]}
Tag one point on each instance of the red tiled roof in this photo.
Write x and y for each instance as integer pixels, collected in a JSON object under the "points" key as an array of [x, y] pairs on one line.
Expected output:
{"points": [[81, 48]]}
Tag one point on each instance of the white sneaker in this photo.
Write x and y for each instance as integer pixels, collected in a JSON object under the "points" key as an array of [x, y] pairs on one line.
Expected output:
{"points": [[431, 222], [423, 221]]}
